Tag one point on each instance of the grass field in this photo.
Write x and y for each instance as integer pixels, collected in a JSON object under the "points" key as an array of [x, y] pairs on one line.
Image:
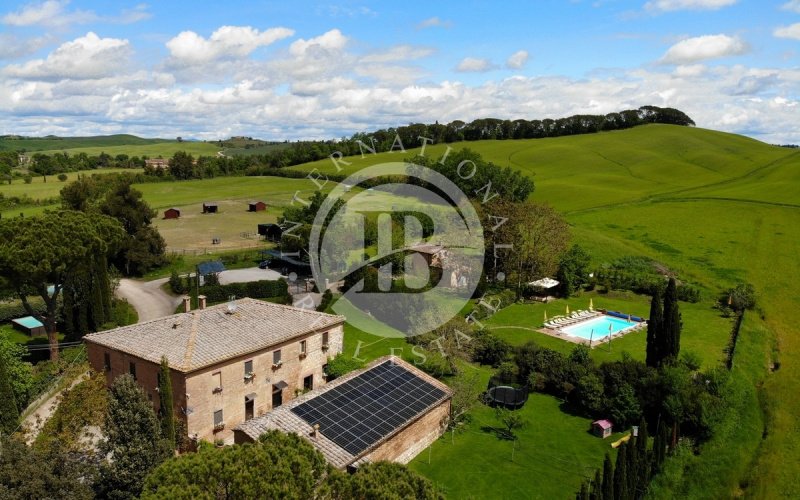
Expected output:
{"points": [[718, 209], [8, 143], [39, 189], [154, 150]]}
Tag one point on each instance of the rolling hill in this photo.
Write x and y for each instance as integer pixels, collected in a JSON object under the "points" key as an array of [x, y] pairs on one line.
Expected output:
{"points": [[109, 144]]}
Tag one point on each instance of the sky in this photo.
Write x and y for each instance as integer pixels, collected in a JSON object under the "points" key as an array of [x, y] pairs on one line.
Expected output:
{"points": [[321, 70]]}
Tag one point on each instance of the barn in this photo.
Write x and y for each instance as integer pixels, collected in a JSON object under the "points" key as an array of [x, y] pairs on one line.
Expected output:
{"points": [[389, 410], [210, 208], [256, 206], [29, 325], [172, 213], [271, 232]]}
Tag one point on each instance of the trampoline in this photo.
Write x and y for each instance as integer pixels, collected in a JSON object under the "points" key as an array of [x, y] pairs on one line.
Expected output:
{"points": [[511, 398]]}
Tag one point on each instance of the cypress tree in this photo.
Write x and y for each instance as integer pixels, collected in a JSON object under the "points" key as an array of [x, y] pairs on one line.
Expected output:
{"points": [[660, 446], [608, 479], [620, 474], [597, 486], [9, 413], [584, 493], [653, 327], [671, 324], [632, 464], [643, 472], [166, 409]]}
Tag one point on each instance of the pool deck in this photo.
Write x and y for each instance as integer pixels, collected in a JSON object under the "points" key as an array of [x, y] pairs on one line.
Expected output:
{"points": [[555, 332]]}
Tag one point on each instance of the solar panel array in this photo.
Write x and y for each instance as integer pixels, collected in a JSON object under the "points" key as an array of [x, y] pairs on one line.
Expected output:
{"points": [[360, 412]]}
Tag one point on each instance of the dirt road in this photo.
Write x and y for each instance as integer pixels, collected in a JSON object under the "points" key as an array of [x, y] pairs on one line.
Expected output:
{"points": [[147, 297]]}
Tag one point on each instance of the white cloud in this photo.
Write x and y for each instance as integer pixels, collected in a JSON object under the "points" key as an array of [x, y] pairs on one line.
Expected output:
{"points": [[226, 42], [474, 65], [433, 22], [398, 53], [792, 6], [690, 70], [672, 5], [332, 40], [792, 31], [517, 60], [54, 13], [14, 47], [83, 58], [702, 48]]}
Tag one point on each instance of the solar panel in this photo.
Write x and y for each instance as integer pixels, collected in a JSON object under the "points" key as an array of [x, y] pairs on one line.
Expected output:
{"points": [[360, 412]]}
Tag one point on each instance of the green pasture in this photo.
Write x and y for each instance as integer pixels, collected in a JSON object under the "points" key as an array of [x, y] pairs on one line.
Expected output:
{"points": [[39, 189], [35, 144], [154, 150]]}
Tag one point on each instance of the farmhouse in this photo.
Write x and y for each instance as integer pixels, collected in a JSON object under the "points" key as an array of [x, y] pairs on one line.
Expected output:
{"points": [[172, 213], [388, 411], [229, 363], [159, 163], [210, 208], [256, 206]]}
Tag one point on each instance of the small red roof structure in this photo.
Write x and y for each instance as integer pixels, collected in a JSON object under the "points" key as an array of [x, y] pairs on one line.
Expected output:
{"points": [[602, 428], [172, 213], [256, 206]]}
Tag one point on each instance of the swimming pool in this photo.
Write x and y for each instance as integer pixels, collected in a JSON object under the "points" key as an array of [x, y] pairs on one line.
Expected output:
{"points": [[598, 328]]}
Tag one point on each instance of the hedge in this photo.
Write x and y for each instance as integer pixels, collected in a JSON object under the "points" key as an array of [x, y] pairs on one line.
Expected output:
{"points": [[263, 289]]}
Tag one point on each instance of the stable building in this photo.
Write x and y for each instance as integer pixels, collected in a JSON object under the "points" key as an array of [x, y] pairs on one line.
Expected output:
{"points": [[210, 208], [229, 363], [270, 231], [256, 206], [389, 410], [172, 213]]}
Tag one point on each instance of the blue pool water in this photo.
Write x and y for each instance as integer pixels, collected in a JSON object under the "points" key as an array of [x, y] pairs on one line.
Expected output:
{"points": [[600, 327]]}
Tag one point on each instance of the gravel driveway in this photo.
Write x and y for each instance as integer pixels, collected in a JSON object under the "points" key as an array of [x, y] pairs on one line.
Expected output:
{"points": [[147, 297]]}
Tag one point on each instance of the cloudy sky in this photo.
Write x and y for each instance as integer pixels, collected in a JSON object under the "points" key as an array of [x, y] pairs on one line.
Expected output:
{"points": [[290, 70]]}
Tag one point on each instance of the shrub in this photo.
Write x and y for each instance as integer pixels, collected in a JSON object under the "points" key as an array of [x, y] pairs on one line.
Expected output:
{"points": [[264, 289], [28, 179], [176, 283], [341, 365], [489, 349], [327, 298], [62, 177]]}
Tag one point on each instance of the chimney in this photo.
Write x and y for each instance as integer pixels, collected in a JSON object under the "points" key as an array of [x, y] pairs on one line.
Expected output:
{"points": [[187, 304], [315, 431], [201, 301]]}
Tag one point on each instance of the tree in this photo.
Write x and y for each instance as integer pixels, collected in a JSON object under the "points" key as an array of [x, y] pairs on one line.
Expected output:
{"points": [[625, 407], [34, 254], [742, 296], [278, 465], [18, 371], [46, 471], [133, 440], [621, 473], [386, 480], [643, 468], [511, 421], [466, 390], [166, 409], [608, 479], [597, 486], [62, 177], [9, 413], [654, 323], [671, 325], [573, 270]]}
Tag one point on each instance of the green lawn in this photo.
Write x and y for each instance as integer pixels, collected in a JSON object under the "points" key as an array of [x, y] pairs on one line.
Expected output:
{"points": [[154, 150], [553, 454], [705, 332], [39, 189]]}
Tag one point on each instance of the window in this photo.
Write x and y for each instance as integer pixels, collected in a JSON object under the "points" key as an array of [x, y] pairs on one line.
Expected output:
{"points": [[132, 370], [216, 381], [308, 383], [324, 340], [276, 358], [107, 361], [218, 419], [248, 369], [303, 347]]}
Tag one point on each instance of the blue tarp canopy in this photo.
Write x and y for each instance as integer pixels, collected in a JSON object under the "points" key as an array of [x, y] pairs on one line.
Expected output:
{"points": [[210, 267]]}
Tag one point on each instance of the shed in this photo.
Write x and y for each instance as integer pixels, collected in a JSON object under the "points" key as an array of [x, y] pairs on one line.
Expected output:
{"points": [[172, 213], [29, 325], [210, 267], [210, 208], [271, 232], [256, 206], [602, 428]]}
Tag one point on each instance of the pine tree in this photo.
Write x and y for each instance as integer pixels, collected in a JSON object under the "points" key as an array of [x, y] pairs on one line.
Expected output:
{"points": [[608, 479], [653, 329], [166, 409], [9, 413], [671, 324], [620, 474]]}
